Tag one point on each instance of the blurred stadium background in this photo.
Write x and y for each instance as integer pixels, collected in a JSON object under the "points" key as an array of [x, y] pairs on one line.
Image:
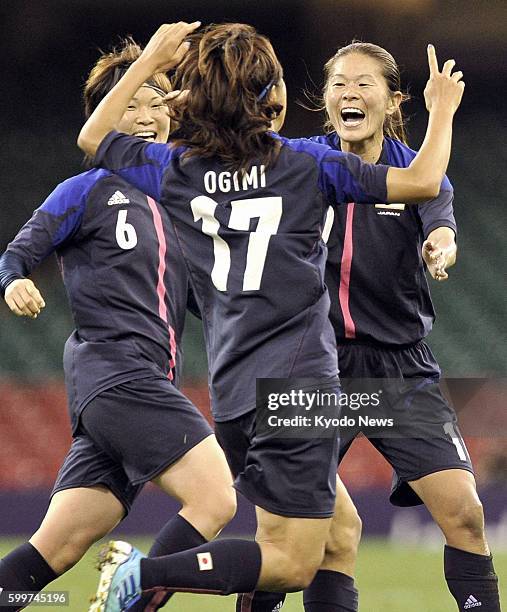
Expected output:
{"points": [[48, 47]]}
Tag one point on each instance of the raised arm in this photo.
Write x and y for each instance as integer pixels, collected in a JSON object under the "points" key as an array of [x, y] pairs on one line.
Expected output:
{"points": [[344, 177], [422, 179], [165, 50]]}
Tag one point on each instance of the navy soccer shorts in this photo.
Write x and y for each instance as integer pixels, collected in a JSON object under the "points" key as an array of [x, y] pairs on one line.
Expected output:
{"points": [[292, 477], [413, 454], [129, 434]]}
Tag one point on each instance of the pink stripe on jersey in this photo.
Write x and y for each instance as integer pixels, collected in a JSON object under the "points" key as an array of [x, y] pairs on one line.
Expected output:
{"points": [[161, 290], [162, 247], [346, 264]]}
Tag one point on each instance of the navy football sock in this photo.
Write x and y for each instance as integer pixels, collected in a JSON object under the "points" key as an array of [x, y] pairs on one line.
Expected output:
{"points": [[176, 535], [25, 569], [472, 580], [330, 592], [260, 601], [221, 567]]}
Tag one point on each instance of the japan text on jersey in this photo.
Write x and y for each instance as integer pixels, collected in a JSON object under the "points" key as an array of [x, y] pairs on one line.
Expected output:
{"points": [[375, 272]]}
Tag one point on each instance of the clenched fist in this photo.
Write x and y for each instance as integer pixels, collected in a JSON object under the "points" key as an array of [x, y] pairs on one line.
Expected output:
{"points": [[24, 299]]}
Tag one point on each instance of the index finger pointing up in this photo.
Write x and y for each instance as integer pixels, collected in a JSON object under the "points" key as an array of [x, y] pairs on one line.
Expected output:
{"points": [[432, 60]]}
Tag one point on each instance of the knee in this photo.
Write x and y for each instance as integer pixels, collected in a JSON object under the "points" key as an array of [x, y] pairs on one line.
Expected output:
{"points": [[345, 534], [65, 553], [467, 518], [221, 507], [297, 576], [226, 507], [298, 568]]}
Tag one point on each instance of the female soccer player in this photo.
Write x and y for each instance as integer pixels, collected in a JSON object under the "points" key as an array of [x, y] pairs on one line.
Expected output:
{"points": [[381, 312], [127, 286], [248, 209]]}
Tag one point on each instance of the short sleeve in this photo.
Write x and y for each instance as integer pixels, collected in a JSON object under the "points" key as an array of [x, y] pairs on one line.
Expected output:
{"points": [[344, 177], [140, 163], [438, 212]]}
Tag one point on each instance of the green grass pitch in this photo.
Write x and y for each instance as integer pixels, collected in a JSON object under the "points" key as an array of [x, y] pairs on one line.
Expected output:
{"points": [[389, 578]]}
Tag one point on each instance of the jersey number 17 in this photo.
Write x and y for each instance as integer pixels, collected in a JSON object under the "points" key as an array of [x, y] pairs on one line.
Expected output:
{"points": [[269, 212]]}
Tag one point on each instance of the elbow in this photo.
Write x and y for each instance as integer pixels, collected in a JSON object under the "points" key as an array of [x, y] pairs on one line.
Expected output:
{"points": [[428, 190], [432, 190], [86, 144]]}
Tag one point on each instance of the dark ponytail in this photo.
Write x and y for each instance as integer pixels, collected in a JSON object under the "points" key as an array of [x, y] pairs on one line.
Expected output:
{"points": [[229, 71]]}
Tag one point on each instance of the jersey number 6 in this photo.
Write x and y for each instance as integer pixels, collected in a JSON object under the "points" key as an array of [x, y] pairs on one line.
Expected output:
{"points": [[267, 210], [126, 236]]}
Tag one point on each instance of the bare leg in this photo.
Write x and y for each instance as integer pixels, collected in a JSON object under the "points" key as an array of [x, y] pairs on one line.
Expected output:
{"points": [[452, 500], [76, 519], [292, 550], [202, 482], [344, 535]]}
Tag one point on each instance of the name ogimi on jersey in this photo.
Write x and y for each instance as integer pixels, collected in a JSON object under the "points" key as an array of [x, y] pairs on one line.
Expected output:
{"points": [[232, 181]]}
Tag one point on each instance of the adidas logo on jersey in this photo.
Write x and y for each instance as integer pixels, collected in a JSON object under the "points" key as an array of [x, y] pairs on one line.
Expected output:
{"points": [[472, 602], [118, 198], [277, 607]]}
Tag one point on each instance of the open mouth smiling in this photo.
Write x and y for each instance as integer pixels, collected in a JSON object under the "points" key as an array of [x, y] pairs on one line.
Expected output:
{"points": [[146, 135], [352, 116]]}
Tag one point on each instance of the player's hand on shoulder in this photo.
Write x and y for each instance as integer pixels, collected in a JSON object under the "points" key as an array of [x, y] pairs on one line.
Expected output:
{"points": [[444, 89], [167, 47], [23, 298]]}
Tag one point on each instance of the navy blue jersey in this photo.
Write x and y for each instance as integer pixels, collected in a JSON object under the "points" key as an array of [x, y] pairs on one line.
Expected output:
{"points": [[254, 252], [124, 276], [375, 272]]}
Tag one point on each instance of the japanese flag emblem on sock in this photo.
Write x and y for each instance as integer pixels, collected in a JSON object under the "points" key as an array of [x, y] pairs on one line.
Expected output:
{"points": [[205, 561]]}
